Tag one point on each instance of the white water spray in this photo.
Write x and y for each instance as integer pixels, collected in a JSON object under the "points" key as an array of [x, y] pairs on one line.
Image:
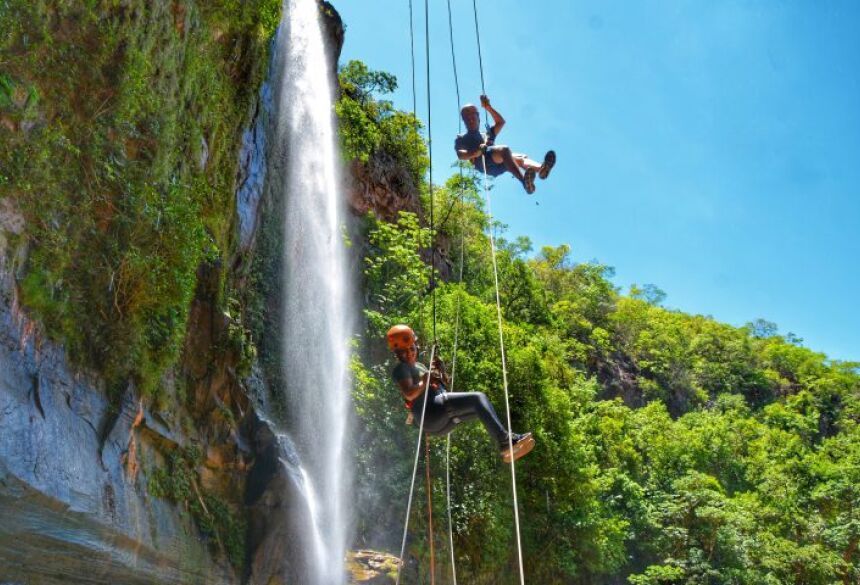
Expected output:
{"points": [[316, 324]]}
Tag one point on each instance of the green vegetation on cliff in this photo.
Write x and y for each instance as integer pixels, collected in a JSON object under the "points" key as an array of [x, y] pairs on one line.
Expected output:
{"points": [[372, 129], [120, 125], [671, 448]]}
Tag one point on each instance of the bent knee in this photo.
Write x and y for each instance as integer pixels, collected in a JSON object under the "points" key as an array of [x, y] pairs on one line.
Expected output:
{"points": [[480, 398], [471, 397]]}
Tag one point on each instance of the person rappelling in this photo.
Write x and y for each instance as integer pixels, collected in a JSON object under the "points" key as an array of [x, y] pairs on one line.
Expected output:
{"points": [[496, 159], [445, 410]]}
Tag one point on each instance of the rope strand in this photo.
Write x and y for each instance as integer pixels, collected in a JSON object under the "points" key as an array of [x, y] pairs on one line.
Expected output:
{"points": [[505, 379], [453, 55], [430, 510], [457, 313], [430, 168], [412, 51], [448, 494], [499, 315], [480, 55]]}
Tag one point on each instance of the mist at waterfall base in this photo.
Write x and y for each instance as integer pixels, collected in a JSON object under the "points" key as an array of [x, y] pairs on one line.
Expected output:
{"points": [[316, 306]]}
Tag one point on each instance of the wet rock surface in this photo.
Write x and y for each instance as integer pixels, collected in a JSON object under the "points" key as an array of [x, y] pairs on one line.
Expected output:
{"points": [[252, 169], [71, 510]]}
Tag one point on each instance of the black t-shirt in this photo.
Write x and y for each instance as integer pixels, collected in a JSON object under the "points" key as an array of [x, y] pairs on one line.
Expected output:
{"points": [[412, 373]]}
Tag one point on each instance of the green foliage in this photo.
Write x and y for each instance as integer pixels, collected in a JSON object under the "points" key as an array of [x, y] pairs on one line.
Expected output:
{"points": [[126, 126], [671, 449], [373, 131], [397, 279]]}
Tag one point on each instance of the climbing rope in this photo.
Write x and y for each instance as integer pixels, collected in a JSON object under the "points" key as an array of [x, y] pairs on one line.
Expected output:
{"points": [[505, 380], [480, 61], [499, 317], [480, 54], [412, 52], [457, 311], [432, 282], [430, 166], [414, 470], [433, 292], [453, 55], [429, 483]]}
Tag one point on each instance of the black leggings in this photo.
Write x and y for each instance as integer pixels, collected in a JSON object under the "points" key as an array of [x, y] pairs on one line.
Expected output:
{"points": [[448, 409]]}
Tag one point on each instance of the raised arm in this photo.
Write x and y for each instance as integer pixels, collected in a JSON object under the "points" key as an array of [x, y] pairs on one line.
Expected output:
{"points": [[498, 120], [440, 374]]}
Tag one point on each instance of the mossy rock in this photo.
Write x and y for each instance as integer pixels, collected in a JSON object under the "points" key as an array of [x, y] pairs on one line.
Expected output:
{"points": [[368, 567]]}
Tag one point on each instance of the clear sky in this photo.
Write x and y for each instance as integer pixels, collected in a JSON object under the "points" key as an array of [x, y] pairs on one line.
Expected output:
{"points": [[710, 148]]}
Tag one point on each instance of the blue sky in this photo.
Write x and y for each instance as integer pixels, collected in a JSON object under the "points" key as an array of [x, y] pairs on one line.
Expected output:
{"points": [[710, 148]]}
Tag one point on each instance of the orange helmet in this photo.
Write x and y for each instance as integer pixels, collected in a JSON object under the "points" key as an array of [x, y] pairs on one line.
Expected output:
{"points": [[401, 337]]}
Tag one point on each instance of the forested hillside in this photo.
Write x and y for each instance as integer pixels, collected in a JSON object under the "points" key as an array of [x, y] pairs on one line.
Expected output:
{"points": [[671, 448]]}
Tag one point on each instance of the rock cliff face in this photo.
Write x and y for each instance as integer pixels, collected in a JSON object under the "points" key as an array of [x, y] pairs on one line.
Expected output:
{"points": [[73, 496], [381, 186]]}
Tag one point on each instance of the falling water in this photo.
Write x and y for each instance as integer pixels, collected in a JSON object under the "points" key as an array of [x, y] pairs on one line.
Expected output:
{"points": [[316, 325]]}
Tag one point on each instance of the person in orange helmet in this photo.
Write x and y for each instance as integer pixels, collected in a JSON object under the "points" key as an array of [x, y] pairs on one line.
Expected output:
{"points": [[445, 410]]}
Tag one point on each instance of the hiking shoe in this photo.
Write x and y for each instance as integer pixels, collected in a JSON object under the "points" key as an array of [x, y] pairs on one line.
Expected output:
{"points": [[522, 445], [529, 181], [548, 163]]}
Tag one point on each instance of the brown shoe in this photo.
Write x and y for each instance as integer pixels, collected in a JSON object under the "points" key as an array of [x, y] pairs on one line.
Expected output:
{"points": [[548, 163], [529, 181], [522, 445]]}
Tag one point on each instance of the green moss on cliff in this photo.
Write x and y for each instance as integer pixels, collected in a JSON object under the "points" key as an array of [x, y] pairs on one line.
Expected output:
{"points": [[119, 130], [177, 481]]}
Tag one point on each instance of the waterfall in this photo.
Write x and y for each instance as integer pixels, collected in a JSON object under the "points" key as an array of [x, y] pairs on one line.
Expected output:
{"points": [[316, 306]]}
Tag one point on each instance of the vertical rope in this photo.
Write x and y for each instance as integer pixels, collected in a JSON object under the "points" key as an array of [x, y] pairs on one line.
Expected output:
{"points": [[453, 57], [412, 51], [499, 315], [430, 154], [505, 379], [480, 55], [480, 63], [448, 494], [457, 312], [414, 471], [430, 510], [462, 227]]}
